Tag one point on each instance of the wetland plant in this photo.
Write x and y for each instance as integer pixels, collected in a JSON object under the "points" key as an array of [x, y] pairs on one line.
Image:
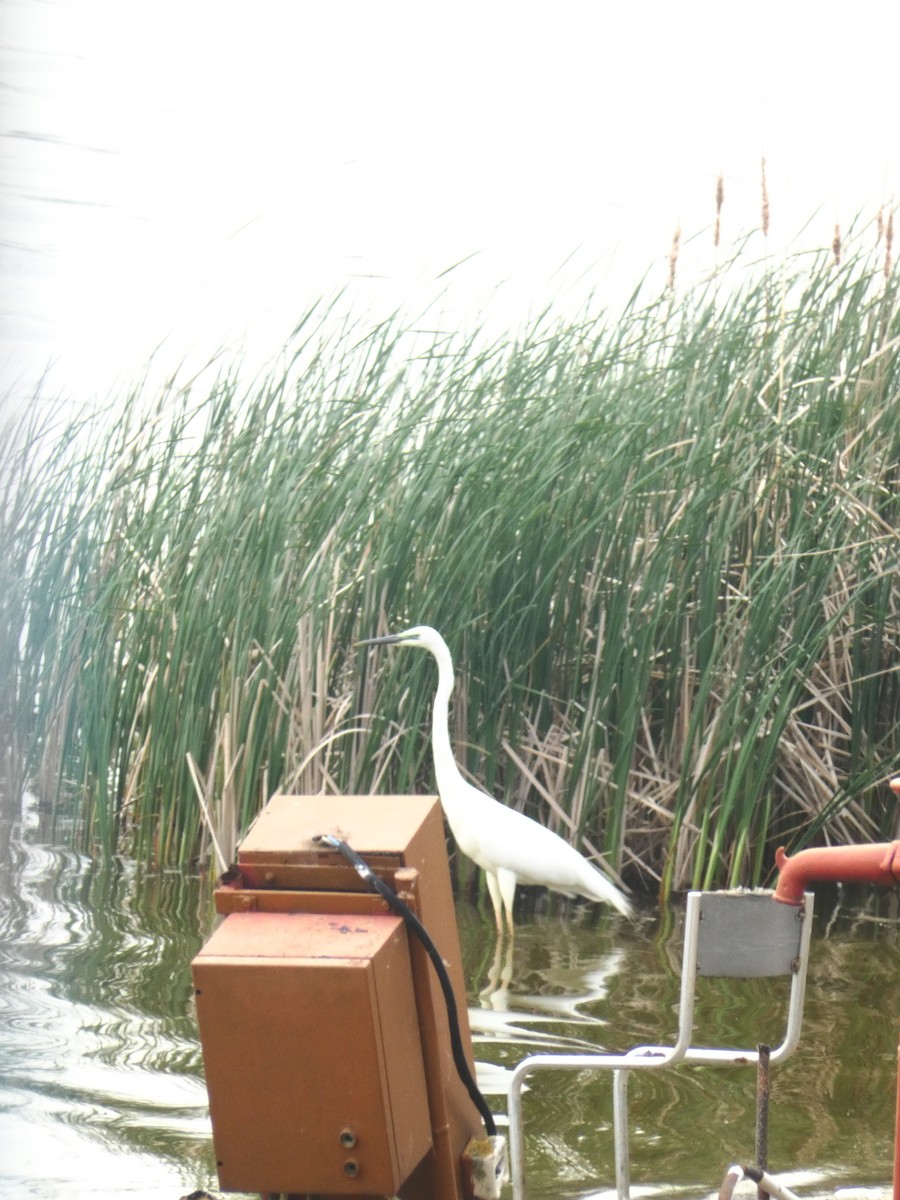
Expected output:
{"points": [[663, 548]]}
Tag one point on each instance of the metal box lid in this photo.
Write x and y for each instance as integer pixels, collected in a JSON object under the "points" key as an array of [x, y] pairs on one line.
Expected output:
{"points": [[278, 850]]}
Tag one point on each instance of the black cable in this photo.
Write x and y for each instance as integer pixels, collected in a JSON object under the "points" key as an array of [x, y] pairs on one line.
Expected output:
{"points": [[403, 910]]}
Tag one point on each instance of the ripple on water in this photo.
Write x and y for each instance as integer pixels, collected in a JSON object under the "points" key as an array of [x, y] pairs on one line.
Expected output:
{"points": [[101, 1089]]}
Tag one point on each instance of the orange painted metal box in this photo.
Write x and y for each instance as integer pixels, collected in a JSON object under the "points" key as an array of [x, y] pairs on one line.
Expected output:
{"points": [[278, 850], [312, 1053]]}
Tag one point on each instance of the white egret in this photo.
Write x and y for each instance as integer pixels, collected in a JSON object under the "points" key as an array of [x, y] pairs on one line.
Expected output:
{"points": [[510, 847]]}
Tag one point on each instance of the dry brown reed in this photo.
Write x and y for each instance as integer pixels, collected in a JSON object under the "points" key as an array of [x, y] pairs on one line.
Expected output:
{"points": [[888, 243]]}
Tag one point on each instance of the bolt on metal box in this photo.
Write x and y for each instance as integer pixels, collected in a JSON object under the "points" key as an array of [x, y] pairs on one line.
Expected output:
{"points": [[313, 1059]]}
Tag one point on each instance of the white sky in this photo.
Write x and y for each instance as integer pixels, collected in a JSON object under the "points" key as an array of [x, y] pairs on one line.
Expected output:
{"points": [[196, 172]]}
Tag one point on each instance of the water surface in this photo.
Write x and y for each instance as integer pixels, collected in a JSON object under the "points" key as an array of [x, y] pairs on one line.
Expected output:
{"points": [[101, 1089]]}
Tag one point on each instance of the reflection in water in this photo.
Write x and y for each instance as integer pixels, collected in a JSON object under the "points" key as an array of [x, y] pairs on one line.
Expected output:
{"points": [[531, 1021], [597, 980], [101, 1088]]}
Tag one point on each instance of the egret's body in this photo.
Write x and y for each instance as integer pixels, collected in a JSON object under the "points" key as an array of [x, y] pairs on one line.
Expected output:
{"points": [[510, 847]]}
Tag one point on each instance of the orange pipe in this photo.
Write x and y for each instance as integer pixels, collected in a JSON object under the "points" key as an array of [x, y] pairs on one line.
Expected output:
{"points": [[878, 863]]}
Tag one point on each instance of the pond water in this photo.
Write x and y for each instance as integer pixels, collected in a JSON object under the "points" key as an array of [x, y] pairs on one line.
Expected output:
{"points": [[101, 1088]]}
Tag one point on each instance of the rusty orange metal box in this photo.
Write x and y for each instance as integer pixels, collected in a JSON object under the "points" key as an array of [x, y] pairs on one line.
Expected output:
{"points": [[313, 1058], [388, 831], [280, 868]]}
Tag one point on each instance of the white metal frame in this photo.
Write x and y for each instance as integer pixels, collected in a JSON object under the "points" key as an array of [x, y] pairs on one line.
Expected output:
{"points": [[656, 1057]]}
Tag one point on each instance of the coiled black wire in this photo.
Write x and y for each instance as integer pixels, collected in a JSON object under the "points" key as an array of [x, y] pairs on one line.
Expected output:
{"points": [[403, 910]]}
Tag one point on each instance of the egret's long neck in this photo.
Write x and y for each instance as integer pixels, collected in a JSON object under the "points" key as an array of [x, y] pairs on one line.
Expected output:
{"points": [[445, 767]]}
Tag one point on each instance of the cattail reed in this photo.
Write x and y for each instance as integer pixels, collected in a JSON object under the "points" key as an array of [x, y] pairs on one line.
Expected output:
{"points": [[686, 545], [720, 197], [836, 245], [888, 243], [673, 256], [765, 201]]}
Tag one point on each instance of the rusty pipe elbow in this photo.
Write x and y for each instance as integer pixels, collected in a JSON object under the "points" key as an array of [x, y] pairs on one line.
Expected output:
{"points": [[878, 863]]}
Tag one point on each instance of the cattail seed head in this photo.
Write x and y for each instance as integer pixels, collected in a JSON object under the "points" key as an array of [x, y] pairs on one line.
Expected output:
{"points": [[765, 202], [836, 246], [720, 197], [888, 242], [673, 257]]}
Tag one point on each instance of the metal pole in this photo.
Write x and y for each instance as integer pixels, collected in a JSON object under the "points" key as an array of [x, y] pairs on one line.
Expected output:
{"points": [[762, 1114], [620, 1130]]}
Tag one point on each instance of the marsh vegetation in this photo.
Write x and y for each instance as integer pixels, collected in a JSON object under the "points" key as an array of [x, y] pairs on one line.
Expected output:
{"points": [[663, 547]]}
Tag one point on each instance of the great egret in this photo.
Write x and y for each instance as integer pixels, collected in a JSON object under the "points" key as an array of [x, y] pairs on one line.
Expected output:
{"points": [[510, 847]]}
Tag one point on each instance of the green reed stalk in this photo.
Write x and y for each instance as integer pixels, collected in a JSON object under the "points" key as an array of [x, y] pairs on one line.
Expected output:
{"points": [[663, 549]]}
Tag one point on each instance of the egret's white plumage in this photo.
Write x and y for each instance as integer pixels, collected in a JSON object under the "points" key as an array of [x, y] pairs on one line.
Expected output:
{"points": [[510, 847]]}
